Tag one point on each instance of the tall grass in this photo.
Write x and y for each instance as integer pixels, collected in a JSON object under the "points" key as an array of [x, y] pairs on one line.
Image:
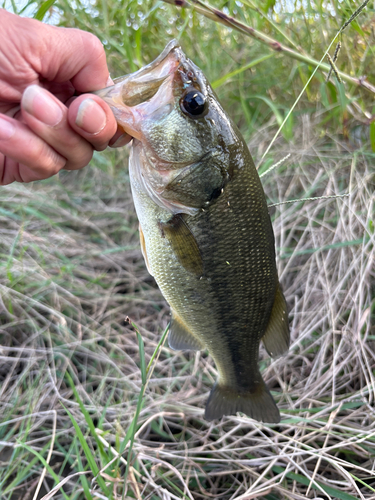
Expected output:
{"points": [[81, 416], [134, 32]]}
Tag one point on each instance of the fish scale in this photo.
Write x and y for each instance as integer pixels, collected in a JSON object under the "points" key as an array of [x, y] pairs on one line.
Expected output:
{"points": [[231, 329], [205, 230]]}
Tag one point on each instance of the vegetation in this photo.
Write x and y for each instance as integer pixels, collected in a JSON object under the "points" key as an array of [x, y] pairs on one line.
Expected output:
{"points": [[93, 404]]}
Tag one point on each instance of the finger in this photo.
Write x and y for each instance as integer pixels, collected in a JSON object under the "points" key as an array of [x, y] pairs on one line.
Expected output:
{"points": [[85, 61], [92, 118], [9, 171], [17, 172], [47, 117], [75, 55], [19, 145], [120, 138], [58, 54]]}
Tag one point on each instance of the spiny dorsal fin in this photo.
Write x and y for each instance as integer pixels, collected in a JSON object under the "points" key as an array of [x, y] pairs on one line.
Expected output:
{"points": [[143, 248], [183, 243], [277, 337], [180, 338]]}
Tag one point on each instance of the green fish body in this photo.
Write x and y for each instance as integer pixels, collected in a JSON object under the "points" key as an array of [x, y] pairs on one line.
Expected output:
{"points": [[205, 231]]}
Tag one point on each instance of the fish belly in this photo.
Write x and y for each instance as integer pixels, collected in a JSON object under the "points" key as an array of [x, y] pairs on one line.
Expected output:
{"points": [[227, 307]]}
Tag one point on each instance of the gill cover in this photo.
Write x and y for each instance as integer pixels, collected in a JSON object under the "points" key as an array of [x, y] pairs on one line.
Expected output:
{"points": [[169, 108]]}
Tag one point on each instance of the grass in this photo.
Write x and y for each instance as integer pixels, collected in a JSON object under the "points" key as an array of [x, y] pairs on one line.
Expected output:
{"points": [[92, 404], [69, 296]]}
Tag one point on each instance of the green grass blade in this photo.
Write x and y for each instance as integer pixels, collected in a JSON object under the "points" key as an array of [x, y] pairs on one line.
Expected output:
{"points": [[341, 495], [88, 419], [38, 215], [133, 430], [331, 246], [269, 20], [88, 453], [83, 478], [130, 435], [142, 359], [8, 213], [47, 466], [160, 343], [23, 473], [43, 9], [217, 83], [372, 135]]}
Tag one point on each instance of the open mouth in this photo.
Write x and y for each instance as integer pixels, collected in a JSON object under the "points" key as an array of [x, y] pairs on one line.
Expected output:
{"points": [[132, 97]]}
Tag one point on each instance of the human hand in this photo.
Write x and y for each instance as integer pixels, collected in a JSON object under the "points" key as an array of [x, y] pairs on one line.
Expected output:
{"points": [[43, 130]]}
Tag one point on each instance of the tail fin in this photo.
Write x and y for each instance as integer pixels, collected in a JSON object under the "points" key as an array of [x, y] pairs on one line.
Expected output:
{"points": [[258, 404]]}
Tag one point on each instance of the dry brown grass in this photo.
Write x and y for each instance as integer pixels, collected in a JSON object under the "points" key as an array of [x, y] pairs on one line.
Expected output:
{"points": [[71, 271]]}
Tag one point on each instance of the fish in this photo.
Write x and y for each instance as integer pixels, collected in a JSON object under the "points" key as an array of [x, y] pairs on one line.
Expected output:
{"points": [[205, 231]]}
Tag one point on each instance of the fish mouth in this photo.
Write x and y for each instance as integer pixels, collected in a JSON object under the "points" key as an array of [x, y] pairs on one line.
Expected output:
{"points": [[131, 96]]}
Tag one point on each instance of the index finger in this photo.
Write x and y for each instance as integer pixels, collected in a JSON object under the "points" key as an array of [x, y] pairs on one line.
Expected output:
{"points": [[82, 61], [56, 54]]}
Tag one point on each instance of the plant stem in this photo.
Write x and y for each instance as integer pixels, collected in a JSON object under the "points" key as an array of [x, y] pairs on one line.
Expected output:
{"points": [[220, 17]]}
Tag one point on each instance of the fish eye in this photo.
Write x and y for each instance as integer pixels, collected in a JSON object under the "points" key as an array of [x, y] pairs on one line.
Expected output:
{"points": [[193, 103]]}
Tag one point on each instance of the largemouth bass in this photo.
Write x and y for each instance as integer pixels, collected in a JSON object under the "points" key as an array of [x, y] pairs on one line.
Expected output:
{"points": [[205, 231]]}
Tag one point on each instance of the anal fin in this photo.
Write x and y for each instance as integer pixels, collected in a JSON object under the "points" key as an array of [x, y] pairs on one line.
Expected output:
{"points": [[180, 338], [277, 337], [257, 404]]}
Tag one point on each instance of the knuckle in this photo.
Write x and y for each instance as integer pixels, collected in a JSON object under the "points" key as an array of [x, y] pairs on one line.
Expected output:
{"points": [[94, 44], [50, 168], [46, 162], [86, 158], [79, 160], [83, 154]]}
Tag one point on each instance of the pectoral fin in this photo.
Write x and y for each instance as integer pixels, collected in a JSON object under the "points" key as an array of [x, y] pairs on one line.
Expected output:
{"points": [[180, 338], [277, 337], [143, 248], [183, 243]]}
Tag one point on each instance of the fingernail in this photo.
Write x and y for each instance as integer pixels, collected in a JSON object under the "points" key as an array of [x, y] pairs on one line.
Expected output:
{"points": [[7, 129], [110, 82], [91, 116], [41, 105]]}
